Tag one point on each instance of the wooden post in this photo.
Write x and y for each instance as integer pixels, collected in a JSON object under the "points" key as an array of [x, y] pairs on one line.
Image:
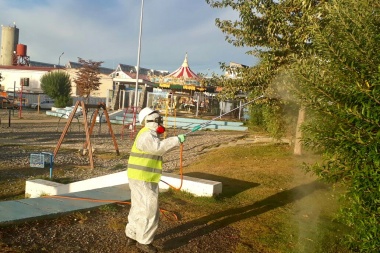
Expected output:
{"points": [[88, 140]]}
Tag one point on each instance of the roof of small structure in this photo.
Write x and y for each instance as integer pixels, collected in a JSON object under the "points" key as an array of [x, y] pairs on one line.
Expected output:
{"points": [[76, 65], [130, 72], [32, 68], [184, 71], [42, 64], [142, 71]]}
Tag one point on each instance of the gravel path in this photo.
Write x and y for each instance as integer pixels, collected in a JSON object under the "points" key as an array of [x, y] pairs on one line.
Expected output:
{"points": [[36, 133]]}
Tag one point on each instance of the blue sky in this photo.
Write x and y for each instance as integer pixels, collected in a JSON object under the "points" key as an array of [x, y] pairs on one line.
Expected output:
{"points": [[108, 30]]}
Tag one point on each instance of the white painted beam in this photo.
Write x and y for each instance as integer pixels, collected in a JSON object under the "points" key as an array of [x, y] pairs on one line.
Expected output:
{"points": [[198, 187]]}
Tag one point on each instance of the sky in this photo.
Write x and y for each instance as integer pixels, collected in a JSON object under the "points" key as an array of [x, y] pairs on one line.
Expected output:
{"points": [[109, 31]]}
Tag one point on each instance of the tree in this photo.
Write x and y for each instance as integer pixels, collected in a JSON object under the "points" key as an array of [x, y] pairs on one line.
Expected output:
{"points": [[87, 79], [275, 31], [340, 85], [57, 85], [329, 49]]}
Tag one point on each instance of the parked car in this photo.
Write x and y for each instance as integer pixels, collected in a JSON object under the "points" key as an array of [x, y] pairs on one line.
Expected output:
{"points": [[47, 104], [5, 103]]}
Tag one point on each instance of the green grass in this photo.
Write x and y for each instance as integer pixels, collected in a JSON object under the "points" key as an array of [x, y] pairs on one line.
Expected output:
{"points": [[267, 197], [12, 189]]}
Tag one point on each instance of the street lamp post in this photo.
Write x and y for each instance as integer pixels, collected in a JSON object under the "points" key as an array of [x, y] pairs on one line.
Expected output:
{"points": [[138, 69], [59, 59]]}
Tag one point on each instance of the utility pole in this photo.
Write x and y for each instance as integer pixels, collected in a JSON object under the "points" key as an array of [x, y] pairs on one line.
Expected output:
{"points": [[137, 70]]}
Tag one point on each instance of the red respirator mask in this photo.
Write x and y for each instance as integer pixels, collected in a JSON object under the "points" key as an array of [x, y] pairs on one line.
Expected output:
{"points": [[160, 129]]}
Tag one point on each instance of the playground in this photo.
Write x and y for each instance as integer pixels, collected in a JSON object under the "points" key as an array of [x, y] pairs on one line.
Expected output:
{"points": [[265, 194]]}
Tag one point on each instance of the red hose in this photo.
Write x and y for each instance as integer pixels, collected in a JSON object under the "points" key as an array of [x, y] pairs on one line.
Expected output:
{"points": [[180, 170]]}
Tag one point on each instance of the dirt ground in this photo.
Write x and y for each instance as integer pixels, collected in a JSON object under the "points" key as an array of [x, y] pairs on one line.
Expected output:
{"points": [[101, 230], [98, 230]]}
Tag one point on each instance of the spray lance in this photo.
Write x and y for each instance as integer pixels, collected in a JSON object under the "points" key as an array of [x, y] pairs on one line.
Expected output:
{"points": [[198, 127]]}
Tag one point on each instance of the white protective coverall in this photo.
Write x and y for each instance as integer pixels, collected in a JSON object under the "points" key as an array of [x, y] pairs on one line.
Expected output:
{"points": [[144, 214]]}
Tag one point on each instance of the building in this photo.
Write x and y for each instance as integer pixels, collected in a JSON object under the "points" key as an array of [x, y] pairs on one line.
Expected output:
{"points": [[20, 75], [114, 83]]}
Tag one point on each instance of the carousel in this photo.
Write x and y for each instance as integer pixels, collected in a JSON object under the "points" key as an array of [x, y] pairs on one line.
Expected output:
{"points": [[181, 91]]}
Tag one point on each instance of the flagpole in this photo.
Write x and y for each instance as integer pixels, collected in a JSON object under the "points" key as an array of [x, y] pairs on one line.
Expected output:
{"points": [[138, 69]]}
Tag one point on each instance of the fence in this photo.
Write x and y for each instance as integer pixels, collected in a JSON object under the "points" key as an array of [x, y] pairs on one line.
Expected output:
{"points": [[30, 98]]}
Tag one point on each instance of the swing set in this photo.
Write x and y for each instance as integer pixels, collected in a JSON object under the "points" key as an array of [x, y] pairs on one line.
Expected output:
{"points": [[88, 129]]}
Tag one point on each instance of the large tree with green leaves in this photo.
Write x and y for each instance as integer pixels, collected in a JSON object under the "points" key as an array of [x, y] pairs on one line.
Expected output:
{"points": [[326, 53], [275, 31], [339, 83], [87, 79], [57, 85]]}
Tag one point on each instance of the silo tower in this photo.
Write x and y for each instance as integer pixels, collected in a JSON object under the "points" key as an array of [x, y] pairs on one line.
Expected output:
{"points": [[9, 41]]}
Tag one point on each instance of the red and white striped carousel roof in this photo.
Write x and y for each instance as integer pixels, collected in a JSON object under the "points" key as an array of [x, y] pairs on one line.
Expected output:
{"points": [[184, 71]]}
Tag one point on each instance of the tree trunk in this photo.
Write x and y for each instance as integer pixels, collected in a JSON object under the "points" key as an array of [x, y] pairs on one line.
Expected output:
{"points": [[301, 119]]}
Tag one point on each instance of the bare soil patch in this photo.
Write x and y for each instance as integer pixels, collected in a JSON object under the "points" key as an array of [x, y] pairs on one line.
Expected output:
{"points": [[99, 230]]}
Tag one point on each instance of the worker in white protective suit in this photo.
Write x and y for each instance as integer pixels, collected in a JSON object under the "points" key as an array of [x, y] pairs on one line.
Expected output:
{"points": [[144, 173]]}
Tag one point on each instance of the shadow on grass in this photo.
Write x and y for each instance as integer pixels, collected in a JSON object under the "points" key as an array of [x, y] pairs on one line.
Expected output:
{"points": [[184, 233], [231, 186]]}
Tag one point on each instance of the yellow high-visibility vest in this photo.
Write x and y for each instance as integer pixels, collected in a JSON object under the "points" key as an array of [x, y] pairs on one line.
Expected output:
{"points": [[144, 166]]}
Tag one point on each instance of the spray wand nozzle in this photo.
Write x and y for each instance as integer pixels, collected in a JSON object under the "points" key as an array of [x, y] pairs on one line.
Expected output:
{"points": [[198, 127]]}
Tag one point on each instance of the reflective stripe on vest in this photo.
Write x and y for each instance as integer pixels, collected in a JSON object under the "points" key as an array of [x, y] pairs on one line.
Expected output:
{"points": [[144, 166]]}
